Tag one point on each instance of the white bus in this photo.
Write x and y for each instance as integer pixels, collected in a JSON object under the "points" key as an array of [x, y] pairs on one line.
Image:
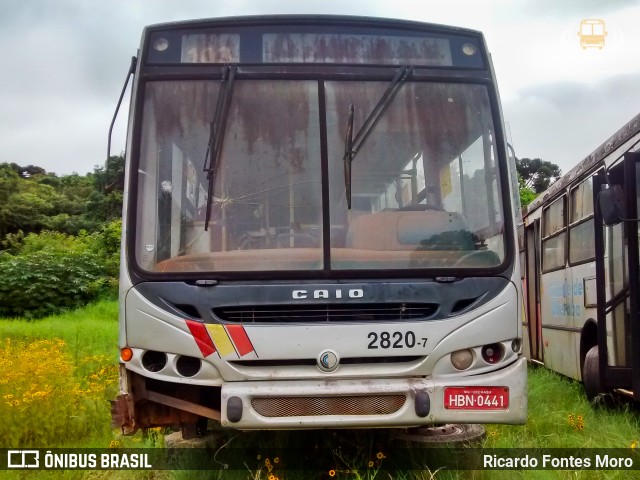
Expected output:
{"points": [[318, 229], [579, 248]]}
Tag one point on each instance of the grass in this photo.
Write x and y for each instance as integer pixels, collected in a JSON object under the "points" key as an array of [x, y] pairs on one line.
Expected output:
{"points": [[59, 372], [57, 375], [561, 417]]}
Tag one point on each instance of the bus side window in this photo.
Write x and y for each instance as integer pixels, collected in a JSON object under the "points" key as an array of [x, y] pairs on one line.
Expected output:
{"points": [[554, 235], [581, 223]]}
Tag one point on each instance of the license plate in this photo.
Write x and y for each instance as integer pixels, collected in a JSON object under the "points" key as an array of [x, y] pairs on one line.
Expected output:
{"points": [[476, 398]]}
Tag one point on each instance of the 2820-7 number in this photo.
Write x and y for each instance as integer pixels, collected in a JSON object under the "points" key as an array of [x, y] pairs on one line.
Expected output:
{"points": [[394, 340]]}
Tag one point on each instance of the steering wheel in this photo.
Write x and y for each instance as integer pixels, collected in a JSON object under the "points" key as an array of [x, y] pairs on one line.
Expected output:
{"points": [[476, 253]]}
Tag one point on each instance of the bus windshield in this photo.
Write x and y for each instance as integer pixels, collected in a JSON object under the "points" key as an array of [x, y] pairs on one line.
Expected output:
{"points": [[425, 187]]}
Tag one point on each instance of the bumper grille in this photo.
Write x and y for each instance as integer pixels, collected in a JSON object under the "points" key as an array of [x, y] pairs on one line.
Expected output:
{"points": [[326, 313], [318, 406]]}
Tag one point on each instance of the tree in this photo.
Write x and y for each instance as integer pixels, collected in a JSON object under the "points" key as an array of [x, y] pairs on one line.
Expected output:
{"points": [[26, 204], [104, 204], [32, 199], [527, 195], [28, 171], [537, 174], [110, 178]]}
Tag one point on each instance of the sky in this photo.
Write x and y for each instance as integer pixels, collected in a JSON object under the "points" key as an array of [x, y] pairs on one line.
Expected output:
{"points": [[63, 64]]}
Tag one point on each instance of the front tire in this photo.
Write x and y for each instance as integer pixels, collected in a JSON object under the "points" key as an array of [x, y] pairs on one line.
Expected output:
{"points": [[453, 434], [591, 374]]}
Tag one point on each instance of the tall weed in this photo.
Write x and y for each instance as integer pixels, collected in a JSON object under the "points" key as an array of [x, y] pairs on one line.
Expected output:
{"points": [[45, 400]]}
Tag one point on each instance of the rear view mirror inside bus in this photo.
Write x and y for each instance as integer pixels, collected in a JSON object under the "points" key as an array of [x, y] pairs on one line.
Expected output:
{"points": [[611, 205]]}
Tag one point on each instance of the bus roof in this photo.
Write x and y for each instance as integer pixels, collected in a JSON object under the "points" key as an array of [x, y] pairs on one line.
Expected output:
{"points": [[628, 130], [319, 39], [292, 19]]}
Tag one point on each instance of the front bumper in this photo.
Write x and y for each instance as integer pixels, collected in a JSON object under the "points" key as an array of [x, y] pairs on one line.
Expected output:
{"points": [[366, 403]]}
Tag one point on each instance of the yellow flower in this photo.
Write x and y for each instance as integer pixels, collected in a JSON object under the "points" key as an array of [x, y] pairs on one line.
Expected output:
{"points": [[332, 473], [634, 445], [370, 463], [276, 460], [380, 455]]}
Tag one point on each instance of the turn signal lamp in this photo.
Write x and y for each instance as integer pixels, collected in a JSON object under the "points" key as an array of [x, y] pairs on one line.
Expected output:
{"points": [[516, 345], [126, 354]]}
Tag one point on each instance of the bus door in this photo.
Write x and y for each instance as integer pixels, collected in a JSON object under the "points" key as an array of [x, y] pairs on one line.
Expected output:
{"points": [[617, 277], [532, 273]]}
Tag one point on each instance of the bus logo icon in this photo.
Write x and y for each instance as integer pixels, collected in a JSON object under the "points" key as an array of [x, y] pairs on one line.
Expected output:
{"points": [[23, 459], [328, 361], [592, 33]]}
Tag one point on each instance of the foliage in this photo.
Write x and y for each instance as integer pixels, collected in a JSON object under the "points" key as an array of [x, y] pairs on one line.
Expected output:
{"points": [[59, 237], [108, 247], [39, 268], [25, 204], [537, 174], [527, 195], [48, 241], [44, 282], [105, 202], [32, 200]]}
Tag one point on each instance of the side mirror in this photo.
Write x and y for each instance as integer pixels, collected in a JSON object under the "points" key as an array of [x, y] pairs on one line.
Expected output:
{"points": [[611, 205]]}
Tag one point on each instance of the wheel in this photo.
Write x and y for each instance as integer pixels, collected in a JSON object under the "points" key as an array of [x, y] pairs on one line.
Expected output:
{"points": [[591, 374], [451, 433]]}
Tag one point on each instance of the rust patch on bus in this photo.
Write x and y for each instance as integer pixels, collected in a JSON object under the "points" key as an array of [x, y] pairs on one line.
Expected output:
{"points": [[122, 414]]}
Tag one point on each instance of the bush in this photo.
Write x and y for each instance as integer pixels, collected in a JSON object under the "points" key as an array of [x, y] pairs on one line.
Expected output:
{"points": [[107, 246], [44, 282]]}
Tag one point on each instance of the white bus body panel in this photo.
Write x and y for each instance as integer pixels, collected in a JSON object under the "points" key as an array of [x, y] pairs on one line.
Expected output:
{"points": [[150, 328]]}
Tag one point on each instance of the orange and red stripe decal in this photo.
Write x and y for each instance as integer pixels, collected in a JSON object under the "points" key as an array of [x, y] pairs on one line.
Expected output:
{"points": [[240, 339], [223, 339], [202, 338]]}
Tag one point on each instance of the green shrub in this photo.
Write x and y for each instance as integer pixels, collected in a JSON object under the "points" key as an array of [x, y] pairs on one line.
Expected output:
{"points": [[45, 282], [54, 242], [107, 246]]}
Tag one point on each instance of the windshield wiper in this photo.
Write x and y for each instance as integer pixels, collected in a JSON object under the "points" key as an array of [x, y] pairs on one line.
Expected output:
{"points": [[353, 145], [216, 135]]}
